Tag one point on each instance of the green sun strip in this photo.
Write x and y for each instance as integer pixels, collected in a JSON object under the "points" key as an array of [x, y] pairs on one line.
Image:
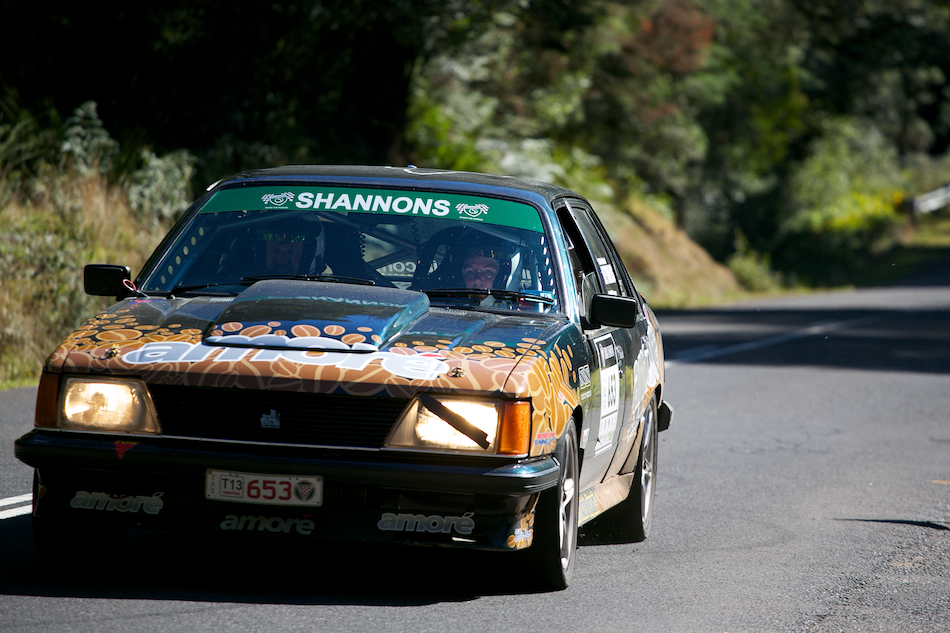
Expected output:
{"points": [[380, 201]]}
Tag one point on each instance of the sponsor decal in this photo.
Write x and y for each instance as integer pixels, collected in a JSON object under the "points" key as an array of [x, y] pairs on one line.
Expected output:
{"points": [[644, 370], [122, 447], [397, 269], [544, 438], [117, 503], [305, 490], [393, 201], [434, 524], [373, 203], [270, 420], [277, 199], [522, 538], [472, 210], [411, 366], [275, 525], [587, 507], [583, 375], [607, 272], [609, 393]]}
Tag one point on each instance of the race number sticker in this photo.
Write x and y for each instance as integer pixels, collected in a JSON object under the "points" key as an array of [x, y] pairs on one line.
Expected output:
{"points": [[606, 352], [607, 274]]}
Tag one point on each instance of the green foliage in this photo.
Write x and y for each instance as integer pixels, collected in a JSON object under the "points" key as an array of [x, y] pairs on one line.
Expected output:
{"points": [[443, 127], [41, 260], [795, 123], [160, 190], [753, 270], [23, 147], [845, 195], [59, 212], [87, 146]]}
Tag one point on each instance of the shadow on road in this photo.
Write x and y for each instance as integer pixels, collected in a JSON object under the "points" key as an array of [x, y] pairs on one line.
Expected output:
{"points": [[904, 326], [891, 338], [156, 565]]}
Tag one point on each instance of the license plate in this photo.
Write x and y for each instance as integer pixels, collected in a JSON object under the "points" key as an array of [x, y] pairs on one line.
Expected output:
{"points": [[275, 490]]}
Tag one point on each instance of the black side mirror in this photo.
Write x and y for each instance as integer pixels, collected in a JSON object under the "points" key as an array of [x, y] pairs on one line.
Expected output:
{"points": [[614, 311], [106, 280]]}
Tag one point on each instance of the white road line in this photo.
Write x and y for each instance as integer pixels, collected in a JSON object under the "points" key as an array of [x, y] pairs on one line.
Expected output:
{"points": [[707, 352], [9, 501], [15, 512]]}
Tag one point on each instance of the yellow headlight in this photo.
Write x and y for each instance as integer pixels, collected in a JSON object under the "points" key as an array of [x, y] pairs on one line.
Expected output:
{"points": [[461, 424], [100, 405], [435, 432]]}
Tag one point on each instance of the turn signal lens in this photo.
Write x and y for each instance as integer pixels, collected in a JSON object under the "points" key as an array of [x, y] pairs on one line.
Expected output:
{"points": [[45, 414], [515, 428]]}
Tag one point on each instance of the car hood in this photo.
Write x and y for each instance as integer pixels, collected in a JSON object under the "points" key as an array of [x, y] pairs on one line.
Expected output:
{"points": [[320, 337]]}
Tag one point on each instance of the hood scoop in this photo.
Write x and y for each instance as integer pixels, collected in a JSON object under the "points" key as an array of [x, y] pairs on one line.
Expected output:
{"points": [[318, 316]]}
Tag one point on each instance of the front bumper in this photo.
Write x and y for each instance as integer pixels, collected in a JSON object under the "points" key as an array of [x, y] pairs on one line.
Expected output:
{"points": [[380, 496]]}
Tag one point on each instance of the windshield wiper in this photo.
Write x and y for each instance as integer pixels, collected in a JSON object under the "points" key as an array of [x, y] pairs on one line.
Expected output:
{"points": [[328, 278], [247, 281], [183, 289], [496, 293]]}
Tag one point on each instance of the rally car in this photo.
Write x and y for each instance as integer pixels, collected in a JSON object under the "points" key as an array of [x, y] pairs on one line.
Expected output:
{"points": [[360, 353]]}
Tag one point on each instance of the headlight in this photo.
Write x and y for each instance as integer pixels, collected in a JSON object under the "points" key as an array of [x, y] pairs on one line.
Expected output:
{"points": [[463, 424], [107, 405]]}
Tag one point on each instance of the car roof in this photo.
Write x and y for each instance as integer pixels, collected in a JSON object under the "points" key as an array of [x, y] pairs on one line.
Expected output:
{"points": [[403, 177]]}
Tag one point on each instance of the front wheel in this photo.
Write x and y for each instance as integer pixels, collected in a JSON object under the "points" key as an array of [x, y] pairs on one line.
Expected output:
{"points": [[643, 490], [629, 521], [555, 541]]}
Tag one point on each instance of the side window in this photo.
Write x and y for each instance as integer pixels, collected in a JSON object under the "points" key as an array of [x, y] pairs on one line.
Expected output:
{"points": [[604, 259], [583, 268], [625, 281]]}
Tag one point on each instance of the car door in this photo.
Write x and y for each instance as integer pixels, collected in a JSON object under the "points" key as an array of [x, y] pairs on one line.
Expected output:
{"points": [[606, 380], [636, 379]]}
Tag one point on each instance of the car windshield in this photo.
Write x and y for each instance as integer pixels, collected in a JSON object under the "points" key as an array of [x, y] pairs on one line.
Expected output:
{"points": [[462, 250]]}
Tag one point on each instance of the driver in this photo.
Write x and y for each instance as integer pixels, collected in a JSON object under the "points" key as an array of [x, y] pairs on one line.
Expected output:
{"points": [[282, 251], [478, 270], [485, 265], [292, 248]]}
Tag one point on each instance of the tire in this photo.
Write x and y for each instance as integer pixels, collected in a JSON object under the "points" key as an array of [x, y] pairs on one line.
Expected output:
{"points": [[555, 540], [629, 521], [65, 543], [643, 491]]}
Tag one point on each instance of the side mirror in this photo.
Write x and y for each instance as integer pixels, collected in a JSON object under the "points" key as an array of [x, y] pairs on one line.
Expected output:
{"points": [[106, 280], [614, 311]]}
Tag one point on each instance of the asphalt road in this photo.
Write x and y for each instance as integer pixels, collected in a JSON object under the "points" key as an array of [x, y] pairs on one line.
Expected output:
{"points": [[804, 486]]}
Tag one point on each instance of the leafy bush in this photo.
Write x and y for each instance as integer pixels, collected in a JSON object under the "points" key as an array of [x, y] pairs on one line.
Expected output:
{"points": [[24, 147], [58, 212], [751, 269], [87, 146], [845, 196], [161, 189], [41, 257]]}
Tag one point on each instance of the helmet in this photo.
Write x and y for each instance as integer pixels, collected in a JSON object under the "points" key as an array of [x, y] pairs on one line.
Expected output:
{"points": [[293, 247], [485, 265], [468, 257]]}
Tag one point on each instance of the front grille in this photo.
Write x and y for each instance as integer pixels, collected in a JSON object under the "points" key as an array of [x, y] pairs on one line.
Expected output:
{"points": [[305, 418]]}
